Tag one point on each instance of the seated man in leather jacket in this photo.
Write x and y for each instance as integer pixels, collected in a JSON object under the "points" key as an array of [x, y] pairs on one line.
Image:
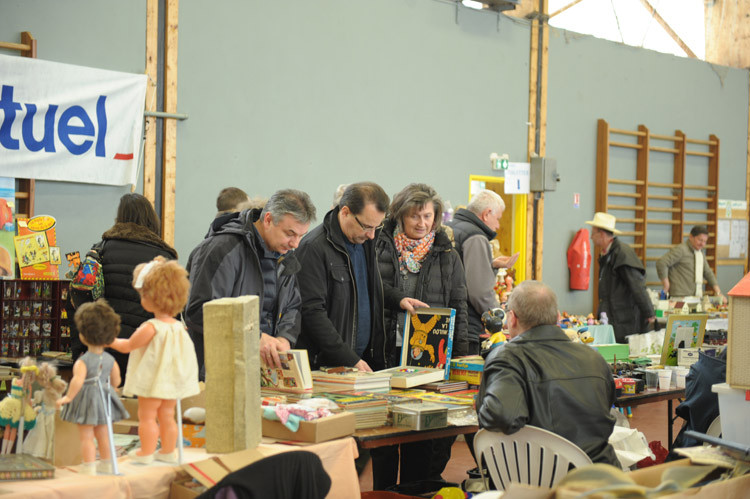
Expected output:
{"points": [[541, 378]]}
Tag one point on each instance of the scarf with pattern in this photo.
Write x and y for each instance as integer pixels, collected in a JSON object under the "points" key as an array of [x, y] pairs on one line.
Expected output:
{"points": [[411, 252]]}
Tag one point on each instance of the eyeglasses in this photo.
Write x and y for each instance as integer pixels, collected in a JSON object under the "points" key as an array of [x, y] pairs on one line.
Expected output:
{"points": [[366, 228]]}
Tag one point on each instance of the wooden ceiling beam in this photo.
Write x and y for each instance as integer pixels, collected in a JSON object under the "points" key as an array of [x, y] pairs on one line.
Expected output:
{"points": [[664, 24]]}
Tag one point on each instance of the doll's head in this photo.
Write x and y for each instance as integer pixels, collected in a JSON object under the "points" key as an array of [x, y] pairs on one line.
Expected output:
{"points": [[54, 390], [97, 323], [29, 372], [47, 373], [164, 283]]}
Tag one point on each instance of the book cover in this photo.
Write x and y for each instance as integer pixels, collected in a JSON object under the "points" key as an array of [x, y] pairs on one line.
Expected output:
{"points": [[409, 376], [24, 467], [36, 248], [294, 375], [7, 227], [428, 338]]}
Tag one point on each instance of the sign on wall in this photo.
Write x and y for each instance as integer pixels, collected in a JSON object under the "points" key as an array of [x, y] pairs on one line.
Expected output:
{"points": [[69, 123]]}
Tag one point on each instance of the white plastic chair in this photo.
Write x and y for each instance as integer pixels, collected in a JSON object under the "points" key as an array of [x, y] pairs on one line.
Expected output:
{"points": [[714, 429], [531, 456]]}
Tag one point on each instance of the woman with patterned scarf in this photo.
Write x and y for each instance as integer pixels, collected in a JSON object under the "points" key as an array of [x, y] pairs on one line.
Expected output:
{"points": [[419, 267]]}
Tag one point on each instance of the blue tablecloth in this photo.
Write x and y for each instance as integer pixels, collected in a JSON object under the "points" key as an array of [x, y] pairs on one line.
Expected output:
{"points": [[603, 334]]}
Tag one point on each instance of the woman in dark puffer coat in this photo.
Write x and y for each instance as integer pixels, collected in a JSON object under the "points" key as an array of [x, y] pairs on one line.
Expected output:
{"points": [[418, 266], [133, 239]]}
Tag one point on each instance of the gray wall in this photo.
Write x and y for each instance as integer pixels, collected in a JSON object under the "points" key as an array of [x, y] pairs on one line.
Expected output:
{"points": [[626, 86], [313, 94]]}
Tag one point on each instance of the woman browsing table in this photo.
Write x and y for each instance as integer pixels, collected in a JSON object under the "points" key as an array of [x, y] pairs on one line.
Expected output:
{"points": [[419, 268]]}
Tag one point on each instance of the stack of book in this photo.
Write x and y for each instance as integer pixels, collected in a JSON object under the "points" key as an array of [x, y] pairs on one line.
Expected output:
{"points": [[446, 386], [370, 410], [350, 380], [409, 376]]}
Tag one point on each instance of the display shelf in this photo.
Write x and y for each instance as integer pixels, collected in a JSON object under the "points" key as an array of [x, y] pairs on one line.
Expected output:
{"points": [[32, 317]]}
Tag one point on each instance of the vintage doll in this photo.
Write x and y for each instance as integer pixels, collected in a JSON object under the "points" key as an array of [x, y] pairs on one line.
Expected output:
{"points": [[90, 394], [18, 402], [41, 440], [162, 366]]}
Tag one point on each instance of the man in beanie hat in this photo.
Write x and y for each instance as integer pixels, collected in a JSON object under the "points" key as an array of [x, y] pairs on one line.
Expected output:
{"points": [[622, 286]]}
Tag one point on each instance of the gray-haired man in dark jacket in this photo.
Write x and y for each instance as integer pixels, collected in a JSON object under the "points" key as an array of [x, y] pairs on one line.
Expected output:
{"points": [[251, 254], [539, 377]]}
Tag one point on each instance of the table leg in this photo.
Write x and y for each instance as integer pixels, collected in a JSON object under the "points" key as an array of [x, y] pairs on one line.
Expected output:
{"points": [[669, 424]]}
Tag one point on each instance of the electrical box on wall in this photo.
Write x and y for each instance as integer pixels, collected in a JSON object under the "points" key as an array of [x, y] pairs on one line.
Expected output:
{"points": [[543, 175]]}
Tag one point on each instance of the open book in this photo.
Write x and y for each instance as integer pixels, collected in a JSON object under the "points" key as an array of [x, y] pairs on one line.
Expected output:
{"points": [[294, 375]]}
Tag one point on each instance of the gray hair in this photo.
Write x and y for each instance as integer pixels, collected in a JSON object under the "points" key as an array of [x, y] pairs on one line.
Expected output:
{"points": [[290, 202], [534, 304], [486, 199]]}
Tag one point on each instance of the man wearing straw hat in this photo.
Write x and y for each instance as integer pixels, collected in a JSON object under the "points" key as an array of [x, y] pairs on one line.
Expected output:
{"points": [[622, 287]]}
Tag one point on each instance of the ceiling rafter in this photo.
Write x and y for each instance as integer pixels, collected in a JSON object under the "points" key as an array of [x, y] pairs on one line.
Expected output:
{"points": [[664, 24]]}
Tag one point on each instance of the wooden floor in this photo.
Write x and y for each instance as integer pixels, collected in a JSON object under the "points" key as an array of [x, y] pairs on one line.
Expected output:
{"points": [[650, 419]]}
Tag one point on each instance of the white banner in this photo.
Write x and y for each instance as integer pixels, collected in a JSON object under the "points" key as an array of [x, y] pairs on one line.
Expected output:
{"points": [[70, 123]]}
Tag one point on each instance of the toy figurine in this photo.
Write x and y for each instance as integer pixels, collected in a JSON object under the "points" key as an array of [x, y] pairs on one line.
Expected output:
{"points": [[18, 403], [90, 396], [162, 366], [41, 440]]}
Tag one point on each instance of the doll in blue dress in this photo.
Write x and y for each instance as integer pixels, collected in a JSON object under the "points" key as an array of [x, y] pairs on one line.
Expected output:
{"points": [[91, 390]]}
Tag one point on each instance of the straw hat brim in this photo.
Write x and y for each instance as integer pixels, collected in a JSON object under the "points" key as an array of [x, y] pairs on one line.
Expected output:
{"points": [[596, 224]]}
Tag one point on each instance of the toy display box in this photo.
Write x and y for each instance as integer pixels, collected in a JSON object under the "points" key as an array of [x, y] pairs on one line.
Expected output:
{"points": [[609, 352], [467, 369]]}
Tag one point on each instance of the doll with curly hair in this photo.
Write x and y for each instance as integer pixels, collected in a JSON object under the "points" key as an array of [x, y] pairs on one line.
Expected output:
{"points": [[89, 395], [162, 366], [17, 404], [41, 440]]}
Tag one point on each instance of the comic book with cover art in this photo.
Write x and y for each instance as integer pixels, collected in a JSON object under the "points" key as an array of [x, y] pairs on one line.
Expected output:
{"points": [[294, 375], [428, 338]]}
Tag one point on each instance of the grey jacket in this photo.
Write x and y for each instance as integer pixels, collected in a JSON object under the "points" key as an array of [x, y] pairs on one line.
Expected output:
{"points": [[543, 379], [226, 264], [679, 265], [472, 237]]}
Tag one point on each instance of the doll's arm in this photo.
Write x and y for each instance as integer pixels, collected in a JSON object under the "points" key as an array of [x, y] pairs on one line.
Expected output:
{"points": [[140, 338], [114, 375], [79, 376]]}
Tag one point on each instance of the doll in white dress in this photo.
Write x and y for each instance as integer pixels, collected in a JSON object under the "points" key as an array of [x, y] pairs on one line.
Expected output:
{"points": [[41, 439], [162, 366]]}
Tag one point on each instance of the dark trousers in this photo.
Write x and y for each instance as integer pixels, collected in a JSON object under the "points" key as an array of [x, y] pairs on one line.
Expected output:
{"points": [[424, 460]]}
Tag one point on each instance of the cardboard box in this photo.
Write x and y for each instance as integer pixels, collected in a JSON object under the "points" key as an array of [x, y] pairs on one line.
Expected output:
{"points": [[687, 356], [128, 426], [467, 369], [320, 430], [210, 472]]}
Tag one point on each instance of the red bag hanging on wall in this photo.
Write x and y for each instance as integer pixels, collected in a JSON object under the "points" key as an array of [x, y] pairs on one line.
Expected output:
{"points": [[579, 260]]}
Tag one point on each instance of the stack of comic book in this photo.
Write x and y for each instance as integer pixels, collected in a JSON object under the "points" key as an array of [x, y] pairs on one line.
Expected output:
{"points": [[350, 379], [370, 410]]}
